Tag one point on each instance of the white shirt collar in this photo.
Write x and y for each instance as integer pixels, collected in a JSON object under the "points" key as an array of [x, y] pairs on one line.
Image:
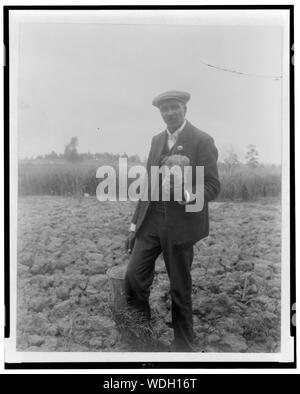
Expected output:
{"points": [[176, 132]]}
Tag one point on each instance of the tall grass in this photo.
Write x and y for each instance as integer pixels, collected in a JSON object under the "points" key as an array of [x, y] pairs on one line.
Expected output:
{"points": [[246, 184], [67, 179], [56, 179]]}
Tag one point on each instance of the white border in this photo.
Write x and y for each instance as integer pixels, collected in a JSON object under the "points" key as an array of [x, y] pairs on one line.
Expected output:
{"points": [[196, 17]]}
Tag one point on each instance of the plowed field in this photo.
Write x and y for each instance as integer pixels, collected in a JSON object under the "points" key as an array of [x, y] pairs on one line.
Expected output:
{"points": [[66, 245]]}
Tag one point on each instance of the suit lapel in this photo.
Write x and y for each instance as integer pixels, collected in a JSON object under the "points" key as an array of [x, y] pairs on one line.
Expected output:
{"points": [[182, 140], [160, 143]]}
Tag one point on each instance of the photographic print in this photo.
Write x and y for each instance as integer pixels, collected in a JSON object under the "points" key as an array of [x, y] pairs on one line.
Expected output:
{"points": [[149, 158]]}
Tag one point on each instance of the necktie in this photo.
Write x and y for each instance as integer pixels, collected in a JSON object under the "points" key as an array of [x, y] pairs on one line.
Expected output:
{"points": [[171, 141]]}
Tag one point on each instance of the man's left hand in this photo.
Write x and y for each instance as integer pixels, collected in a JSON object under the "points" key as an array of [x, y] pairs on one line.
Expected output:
{"points": [[173, 188]]}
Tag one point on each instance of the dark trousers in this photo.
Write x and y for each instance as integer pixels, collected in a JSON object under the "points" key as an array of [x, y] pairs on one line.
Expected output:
{"points": [[152, 239]]}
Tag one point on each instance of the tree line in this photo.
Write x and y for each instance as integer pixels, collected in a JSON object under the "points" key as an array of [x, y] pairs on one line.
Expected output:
{"points": [[230, 162], [72, 155]]}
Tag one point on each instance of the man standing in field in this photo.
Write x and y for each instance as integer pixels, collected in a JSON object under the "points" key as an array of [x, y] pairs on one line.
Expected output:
{"points": [[166, 226]]}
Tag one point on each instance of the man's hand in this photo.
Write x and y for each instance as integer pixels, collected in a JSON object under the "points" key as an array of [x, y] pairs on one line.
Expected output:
{"points": [[129, 242], [173, 187]]}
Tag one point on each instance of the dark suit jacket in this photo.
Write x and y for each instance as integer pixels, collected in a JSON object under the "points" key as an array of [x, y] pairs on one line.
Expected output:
{"points": [[198, 146]]}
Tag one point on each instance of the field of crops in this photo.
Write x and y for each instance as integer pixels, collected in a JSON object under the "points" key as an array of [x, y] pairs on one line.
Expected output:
{"points": [[66, 245], [66, 179]]}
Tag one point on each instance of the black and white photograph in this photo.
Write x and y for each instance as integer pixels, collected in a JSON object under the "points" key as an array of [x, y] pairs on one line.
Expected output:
{"points": [[150, 188]]}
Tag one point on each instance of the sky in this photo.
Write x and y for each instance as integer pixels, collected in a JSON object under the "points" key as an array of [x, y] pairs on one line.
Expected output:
{"points": [[97, 81]]}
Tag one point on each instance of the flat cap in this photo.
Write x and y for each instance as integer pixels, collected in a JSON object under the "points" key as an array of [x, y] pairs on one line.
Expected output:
{"points": [[171, 95]]}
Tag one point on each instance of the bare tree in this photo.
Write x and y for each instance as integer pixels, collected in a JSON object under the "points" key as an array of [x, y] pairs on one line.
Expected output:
{"points": [[231, 160], [252, 156], [71, 153]]}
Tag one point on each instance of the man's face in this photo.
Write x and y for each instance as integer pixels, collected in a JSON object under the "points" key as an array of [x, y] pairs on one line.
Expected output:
{"points": [[173, 113]]}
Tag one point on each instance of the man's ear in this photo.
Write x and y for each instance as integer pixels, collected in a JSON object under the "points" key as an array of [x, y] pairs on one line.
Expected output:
{"points": [[185, 109]]}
